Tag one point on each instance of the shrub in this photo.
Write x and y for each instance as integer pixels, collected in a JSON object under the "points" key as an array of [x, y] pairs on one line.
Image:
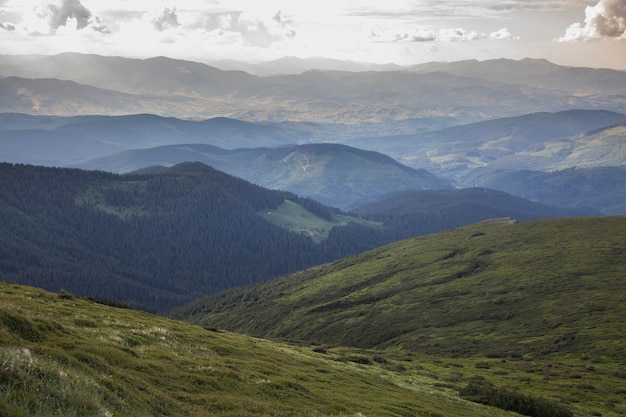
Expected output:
{"points": [[487, 394]]}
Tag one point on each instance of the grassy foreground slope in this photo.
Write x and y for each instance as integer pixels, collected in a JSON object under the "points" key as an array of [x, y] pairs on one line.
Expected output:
{"points": [[70, 357]]}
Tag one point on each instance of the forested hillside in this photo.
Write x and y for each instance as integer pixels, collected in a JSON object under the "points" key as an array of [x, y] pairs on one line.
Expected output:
{"points": [[415, 213], [600, 188], [153, 241]]}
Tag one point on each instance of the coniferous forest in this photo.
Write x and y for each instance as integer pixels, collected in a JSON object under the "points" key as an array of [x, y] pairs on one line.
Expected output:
{"points": [[152, 241]]}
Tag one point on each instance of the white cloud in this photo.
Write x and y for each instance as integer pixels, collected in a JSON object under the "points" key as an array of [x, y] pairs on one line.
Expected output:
{"points": [[423, 34], [251, 29], [164, 19], [605, 20], [58, 16]]}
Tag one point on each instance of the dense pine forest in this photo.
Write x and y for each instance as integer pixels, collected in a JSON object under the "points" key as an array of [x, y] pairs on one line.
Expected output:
{"points": [[152, 241]]}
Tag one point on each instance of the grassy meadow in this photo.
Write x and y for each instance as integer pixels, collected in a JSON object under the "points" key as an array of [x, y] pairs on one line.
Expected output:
{"points": [[65, 356]]}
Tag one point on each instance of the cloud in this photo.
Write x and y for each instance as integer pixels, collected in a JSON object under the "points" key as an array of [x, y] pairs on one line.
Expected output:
{"points": [[605, 20], [165, 19], [250, 29], [57, 13], [7, 26], [442, 34], [503, 34], [54, 16]]}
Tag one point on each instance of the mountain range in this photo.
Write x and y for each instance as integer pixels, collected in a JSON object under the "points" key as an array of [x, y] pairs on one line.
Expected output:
{"points": [[525, 149], [536, 141], [59, 141], [427, 97]]}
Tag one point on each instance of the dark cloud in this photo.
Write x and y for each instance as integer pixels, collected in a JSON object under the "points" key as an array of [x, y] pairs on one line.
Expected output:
{"points": [[166, 19], [607, 19]]}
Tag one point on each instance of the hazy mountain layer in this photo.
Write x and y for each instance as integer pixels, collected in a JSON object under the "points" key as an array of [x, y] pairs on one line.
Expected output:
{"points": [[172, 87], [336, 175], [536, 73], [58, 141], [602, 189]]}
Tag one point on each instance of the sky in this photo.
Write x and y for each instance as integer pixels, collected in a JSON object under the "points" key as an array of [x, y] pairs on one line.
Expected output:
{"points": [[405, 32]]}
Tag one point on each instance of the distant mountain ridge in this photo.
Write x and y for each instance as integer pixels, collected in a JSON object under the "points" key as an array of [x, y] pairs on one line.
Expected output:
{"points": [[335, 175], [58, 141], [537, 73], [295, 65], [451, 94], [538, 141], [601, 188]]}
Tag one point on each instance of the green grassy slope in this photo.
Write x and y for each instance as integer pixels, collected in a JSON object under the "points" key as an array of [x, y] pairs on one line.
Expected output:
{"points": [[489, 288], [296, 218], [64, 356], [538, 306]]}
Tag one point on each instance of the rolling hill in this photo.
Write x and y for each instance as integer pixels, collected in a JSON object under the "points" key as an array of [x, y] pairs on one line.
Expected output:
{"points": [[459, 292], [535, 306], [602, 188], [335, 175], [160, 240], [536, 141]]}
